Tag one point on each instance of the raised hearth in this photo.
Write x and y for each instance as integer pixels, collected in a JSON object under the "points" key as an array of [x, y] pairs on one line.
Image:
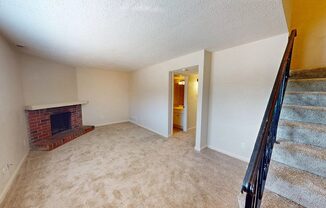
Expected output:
{"points": [[54, 126], [61, 138]]}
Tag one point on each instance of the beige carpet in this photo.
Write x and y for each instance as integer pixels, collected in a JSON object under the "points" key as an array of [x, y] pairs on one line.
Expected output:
{"points": [[123, 165]]}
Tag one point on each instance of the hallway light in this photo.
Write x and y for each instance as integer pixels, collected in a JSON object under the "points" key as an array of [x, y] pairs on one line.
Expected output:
{"points": [[182, 82]]}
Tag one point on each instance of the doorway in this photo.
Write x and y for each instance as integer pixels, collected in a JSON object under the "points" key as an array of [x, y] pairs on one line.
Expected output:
{"points": [[184, 100]]}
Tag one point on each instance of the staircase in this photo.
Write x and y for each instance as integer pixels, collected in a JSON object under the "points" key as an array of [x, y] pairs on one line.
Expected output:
{"points": [[297, 173]]}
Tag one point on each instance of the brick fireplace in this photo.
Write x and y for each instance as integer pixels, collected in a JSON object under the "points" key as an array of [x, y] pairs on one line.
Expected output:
{"points": [[52, 126]]}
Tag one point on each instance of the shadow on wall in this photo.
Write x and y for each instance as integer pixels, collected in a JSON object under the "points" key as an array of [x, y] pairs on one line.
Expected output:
{"points": [[309, 18]]}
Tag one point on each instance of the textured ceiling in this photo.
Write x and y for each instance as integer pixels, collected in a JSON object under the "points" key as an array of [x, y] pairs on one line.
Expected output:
{"points": [[131, 34]]}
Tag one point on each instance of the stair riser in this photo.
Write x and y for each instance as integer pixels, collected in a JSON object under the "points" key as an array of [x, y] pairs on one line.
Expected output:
{"points": [[299, 160], [305, 74], [305, 99], [308, 85], [296, 193], [303, 115], [302, 135]]}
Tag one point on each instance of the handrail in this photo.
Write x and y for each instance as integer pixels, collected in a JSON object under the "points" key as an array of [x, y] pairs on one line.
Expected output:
{"points": [[256, 174]]}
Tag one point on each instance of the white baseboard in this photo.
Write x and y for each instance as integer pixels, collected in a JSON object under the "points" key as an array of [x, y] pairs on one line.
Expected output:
{"points": [[12, 179], [244, 159], [200, 149], [149, 129], [109, 123]]}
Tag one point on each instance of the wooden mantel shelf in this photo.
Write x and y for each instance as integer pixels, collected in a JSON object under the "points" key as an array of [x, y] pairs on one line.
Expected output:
{"points": [[55, 105]]}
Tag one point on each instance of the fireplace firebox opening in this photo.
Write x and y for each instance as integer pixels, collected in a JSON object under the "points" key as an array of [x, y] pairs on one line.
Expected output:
{"points": [[60, 122]]}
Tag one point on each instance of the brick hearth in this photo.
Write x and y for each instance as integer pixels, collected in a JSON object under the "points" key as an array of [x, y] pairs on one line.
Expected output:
{"points": [[39, 121], [61, 138]]}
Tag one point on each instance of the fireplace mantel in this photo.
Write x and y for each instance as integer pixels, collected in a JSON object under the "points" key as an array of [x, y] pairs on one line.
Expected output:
{"points": [[55, 105]]}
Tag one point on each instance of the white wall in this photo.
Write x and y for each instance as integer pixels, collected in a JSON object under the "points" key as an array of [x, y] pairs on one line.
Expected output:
{"points": [[192, 101], [204, 76], [13, 139], [46, 82], [150, 91], [107, 93], [241, 82]]}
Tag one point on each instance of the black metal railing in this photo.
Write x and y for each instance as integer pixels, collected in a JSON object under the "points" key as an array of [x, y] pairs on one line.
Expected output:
{"points": [[254, 180]]}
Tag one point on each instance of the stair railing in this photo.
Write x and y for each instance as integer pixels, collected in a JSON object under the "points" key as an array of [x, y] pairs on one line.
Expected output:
{"points": [[256, 174]]}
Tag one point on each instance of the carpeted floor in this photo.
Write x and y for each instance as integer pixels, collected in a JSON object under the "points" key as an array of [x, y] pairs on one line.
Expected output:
{"points": [[123, 165]]}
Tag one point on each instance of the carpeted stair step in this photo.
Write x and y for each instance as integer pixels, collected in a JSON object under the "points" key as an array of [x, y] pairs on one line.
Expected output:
{"points": [[304, 157], [305, 98], [273, 200], [303, 133], [308, 73], [316, 84], [270, 200], [311, 114], [302, 187]]}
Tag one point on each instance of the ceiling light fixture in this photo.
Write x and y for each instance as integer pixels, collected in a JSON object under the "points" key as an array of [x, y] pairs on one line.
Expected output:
{"points": [[182, 82]]}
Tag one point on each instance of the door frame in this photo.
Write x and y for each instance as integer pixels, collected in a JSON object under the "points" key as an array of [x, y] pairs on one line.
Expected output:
{"points": [[185, 102], [202, 119], [171, 101]]}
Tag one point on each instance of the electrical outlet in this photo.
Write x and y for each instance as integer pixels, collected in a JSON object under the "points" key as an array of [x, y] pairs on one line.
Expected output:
{"points": [[25, 142], [4, 170], [9, 165], [243, 145]]}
